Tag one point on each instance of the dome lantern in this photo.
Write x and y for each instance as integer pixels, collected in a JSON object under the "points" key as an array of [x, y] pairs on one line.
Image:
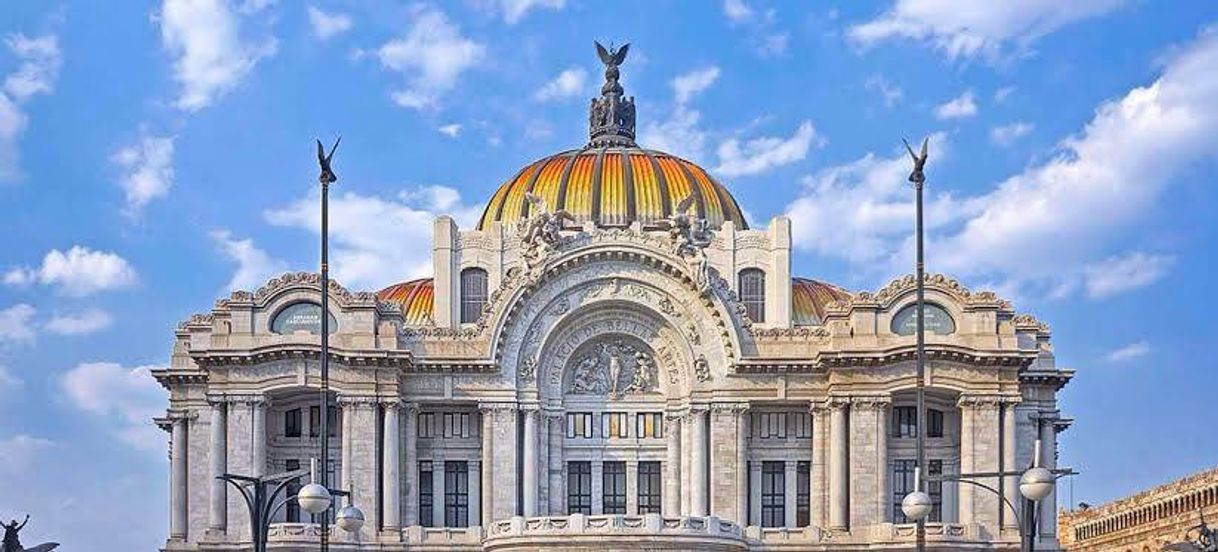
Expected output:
{"points": [[611, 116]]}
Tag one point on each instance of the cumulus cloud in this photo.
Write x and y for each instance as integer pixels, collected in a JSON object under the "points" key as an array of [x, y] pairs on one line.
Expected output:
{"points": [[79, 323], [254, 266], [514, 11], [147, 171], [890, 93], [451, 130], [1037, 231], [39, 60], [960, 107], [1119, 274], [78, 272], [737, 11], [1006, 135], [1129, 352], [568, 84], [680, 133], [210, 54], [976, 29], [328, 25], [16, 325], [20, 452], [378, 241], [431, 56], [126, 397], [759, 155], [690, 84]]}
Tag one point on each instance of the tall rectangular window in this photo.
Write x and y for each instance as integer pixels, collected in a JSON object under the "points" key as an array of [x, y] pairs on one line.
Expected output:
{"points": [[579, 424], [752, 293], [291, 423], [457, 425], [650, 425], [803, 494], [903, 484], [425, 496], [427, 424], [770, 425], [579, 487], [803, 424], [934, 423], [292, 507], [332, 421], [456, 494], [473, 294], [649, 487], [614, 424], [935, 489], [904, 421], [614, 487], [314, 421], [773, 494]]}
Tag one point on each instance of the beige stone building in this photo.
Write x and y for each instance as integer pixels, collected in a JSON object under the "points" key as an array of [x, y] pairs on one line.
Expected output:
{"points": [[1145, 521], [613, 358]]}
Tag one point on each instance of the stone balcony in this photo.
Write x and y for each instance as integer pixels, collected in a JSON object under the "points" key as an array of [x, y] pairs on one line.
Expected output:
{"points": [[581, 533]]}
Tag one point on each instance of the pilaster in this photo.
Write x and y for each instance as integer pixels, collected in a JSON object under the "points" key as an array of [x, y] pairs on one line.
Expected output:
{"points": [[727, 479]]}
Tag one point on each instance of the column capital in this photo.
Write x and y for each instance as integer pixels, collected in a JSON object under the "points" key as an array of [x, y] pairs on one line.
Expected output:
{"points": [[729, 407], [980, 401], [391, 403], [491, 408], [871, 402], [530, 408], [410, 407], [676, 416], [837, 403], [180, 415]]}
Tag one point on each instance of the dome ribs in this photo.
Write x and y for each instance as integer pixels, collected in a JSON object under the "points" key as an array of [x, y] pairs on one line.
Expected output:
{"points": [[595, 193], [628, 183], [662, 181], [565, 178]]}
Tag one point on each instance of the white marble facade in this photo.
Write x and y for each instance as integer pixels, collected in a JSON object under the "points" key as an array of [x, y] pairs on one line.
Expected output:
{"points": [[609, 397]]}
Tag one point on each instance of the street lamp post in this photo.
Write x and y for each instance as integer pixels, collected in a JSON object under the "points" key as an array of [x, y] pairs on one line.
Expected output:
{"points": [[918, 177], [326, 178], [261, 494]]}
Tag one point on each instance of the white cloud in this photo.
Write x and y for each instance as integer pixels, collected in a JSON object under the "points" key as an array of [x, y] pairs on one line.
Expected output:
{"points": [[1003, 93], [451, 130], [20, 452], [327, 25], [1123, 273], [211, 56], [38, 68], [79, 323], [1006, 135], [1129, 352], [16, 325], [147, 171], [8, 380], [431, 56], [254, 266], [78, 272], [568, 84], [130, 397], [362, 256], [690, 84], [737, 11], [973, 29], [891, 94], [960, 107], [759, 155], [514, 10]]}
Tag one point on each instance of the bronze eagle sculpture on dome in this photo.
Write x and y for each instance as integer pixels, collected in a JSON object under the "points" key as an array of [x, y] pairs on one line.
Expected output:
{"points": [[611, 57]]}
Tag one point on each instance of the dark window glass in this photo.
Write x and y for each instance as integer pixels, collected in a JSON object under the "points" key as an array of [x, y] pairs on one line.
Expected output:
{"points": [[803, 494], [649, 487], [456, 494], [579, 488], [614, 486], [770, 425], [773, 494], [934, 423], [314, 421], [752, 293], [425, 496], [904, 421], [903, 484], [332, 421], [292, 508], [935, 490], [473, 294], [291, 423]]}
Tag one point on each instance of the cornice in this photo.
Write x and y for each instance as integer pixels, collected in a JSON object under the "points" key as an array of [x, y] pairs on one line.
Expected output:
{"points": [[294, 351]]}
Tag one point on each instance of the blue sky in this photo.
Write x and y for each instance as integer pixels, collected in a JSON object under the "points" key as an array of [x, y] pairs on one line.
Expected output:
{"points": [[154, 155]]}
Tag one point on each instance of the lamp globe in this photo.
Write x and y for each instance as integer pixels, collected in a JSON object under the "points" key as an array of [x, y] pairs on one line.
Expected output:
{"points": [[314, 498], [917, 505], [1036, 483], [350, 519]]}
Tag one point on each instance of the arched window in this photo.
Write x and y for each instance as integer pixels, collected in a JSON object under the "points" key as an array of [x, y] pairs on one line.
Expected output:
{"points": [[752, 293], [473, 294]]}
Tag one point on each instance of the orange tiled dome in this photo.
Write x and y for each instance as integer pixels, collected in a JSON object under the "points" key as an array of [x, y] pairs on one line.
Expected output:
{"points": [[809, 299], [415, 297], [614, 185]]}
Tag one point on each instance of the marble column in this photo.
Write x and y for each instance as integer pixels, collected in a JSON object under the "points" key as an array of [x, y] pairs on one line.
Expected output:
{"points": [[558, 493], [598, 487], [789, 490], [819, 479], [217, 465], [698, 463], [839, 483], [475, 489], [346, 412], [1010, 488], [506, 485], [391, 450], [488, 463], [672, 465], [742, 462], [1046, 527], [884, 475], [530, 468], [410, 469], [632, 487], [178, 478], [260, 407], [687, 450]]}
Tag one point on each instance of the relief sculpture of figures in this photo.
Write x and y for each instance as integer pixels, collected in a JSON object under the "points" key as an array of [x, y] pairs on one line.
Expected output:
{"points": [[13, 544], [1206, 540], [543, 227], [614, 368]]}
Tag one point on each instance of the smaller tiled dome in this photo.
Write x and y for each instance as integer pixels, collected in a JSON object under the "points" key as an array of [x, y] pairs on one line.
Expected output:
{"points": [[809, 299], [415, 297]]}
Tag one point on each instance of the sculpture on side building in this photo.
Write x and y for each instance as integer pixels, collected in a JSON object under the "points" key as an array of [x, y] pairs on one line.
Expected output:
{"points": [[13, 544], [1206, 540], [690, 237], [542, 228]]}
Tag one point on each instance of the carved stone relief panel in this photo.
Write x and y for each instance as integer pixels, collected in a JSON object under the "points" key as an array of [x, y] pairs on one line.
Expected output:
{"points": [[612, 365]]}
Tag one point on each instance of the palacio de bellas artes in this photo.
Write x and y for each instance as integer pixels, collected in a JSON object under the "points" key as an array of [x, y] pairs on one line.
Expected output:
{"points": [[628, 276], [613, 358]]}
